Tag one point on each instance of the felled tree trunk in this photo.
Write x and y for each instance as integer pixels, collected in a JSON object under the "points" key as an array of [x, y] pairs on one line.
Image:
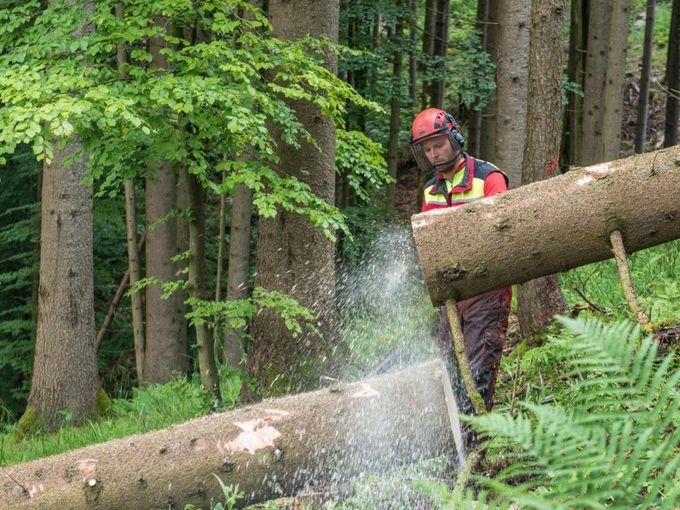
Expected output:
{"points": [[549, 226], [270, 449]]}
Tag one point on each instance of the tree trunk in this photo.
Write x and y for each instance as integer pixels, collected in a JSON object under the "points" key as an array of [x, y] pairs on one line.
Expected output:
{"points": [[395, 109], [134, 269], [474, 131], [276, 448], [573, 117], [643, 99], [549, 226], [412, 54], [134, 266], [239, 256], [165, 352], [292, 256], [541, 299], [428, 51], [197, 286], [65, 377], [487, 135], [441, 47], [512, 74], [673, 79], [65, 380], [604, 80]]}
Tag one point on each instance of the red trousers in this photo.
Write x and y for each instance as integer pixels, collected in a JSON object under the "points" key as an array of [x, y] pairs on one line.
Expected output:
{"points": [[484, 320]]}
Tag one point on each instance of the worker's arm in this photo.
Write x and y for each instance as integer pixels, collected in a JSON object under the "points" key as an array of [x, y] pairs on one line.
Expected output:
{"points": [[495, 183]]}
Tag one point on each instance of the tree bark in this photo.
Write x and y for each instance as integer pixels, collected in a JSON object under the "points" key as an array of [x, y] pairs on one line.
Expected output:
{"points": [[604, 80], [412, 53], [673, 79], [643, 99], [135, 273], [573, 118], [541, 299], [441, 47], [395, 109], [197, 282], [292, 256], [275, 448], [165, 352], [133, 248], [65, 380], [512, 74], [549, 226], [65, 377], [237, 279], [487, 136], [474, 132], [428, 51]]}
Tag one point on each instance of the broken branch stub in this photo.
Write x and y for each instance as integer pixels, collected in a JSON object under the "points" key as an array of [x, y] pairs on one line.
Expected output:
{"points": [[549, 226], [272, 449]]}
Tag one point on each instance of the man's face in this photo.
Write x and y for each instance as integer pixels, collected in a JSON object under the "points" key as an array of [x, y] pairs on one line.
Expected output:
{"points": [[438, 149]]}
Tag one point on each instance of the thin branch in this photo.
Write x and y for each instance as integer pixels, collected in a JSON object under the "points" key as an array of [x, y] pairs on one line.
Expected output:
{"points": [[116, 299], [461, 356], [626, 282], [12, 478], [592, 305]]}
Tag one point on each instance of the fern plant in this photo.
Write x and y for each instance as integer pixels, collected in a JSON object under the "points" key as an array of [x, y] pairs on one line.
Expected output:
{"points": [[613, 444]]}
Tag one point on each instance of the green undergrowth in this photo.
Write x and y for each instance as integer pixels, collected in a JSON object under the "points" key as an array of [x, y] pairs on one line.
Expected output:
{"points": [[150, 408]]}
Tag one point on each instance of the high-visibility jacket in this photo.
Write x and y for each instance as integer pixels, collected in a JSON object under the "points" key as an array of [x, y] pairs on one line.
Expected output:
{"points": [[472, 180], [483, 318]]}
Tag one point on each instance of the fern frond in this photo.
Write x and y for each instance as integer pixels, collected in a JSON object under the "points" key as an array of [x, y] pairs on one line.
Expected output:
{"points": [[614, 445]]}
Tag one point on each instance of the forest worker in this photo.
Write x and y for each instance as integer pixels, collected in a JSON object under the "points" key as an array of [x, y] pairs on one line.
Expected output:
{"points": [[437, 144]]}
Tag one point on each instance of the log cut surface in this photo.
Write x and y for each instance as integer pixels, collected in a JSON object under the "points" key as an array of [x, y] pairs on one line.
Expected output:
{"points": [[549, 226], [270, 449]]}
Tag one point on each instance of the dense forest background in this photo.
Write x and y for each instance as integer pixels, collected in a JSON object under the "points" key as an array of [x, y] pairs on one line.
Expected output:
{"points": [[212, 199]]}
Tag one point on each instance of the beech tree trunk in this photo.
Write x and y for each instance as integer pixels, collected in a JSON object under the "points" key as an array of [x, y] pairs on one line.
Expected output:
{"points": [[197, 282], [549, 226], [673, 79], [540, 299], [165, 351], [412, 54], [441, 46], [428, 51], [643, 98], [573, 117], [396, 33], [474, 130], [275, 448], [134, 265], [487, 136], [239, 256]]}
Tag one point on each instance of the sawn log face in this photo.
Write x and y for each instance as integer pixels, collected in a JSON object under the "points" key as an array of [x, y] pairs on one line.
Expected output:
{"points": [[270, 449], [549, 226]]}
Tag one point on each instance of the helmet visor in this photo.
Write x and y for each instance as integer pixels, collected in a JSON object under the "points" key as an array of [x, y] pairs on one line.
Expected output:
{"points": [[438, 151]]}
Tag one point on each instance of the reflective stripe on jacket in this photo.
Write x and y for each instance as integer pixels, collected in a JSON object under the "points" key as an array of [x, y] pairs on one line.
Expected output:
{"points": [[467, 185]]}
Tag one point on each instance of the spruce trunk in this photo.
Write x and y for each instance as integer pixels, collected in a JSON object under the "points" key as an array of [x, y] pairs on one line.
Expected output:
{"points": [[271, 449], [549, 226]]}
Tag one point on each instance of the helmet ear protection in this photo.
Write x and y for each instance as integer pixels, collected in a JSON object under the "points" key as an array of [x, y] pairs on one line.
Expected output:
{"points": [[454, 131]]}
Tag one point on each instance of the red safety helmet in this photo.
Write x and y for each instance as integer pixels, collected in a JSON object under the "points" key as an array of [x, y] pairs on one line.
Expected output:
{"points": [[429, 124]]}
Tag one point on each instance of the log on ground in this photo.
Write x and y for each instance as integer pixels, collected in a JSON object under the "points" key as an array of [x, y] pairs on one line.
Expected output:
{"points": [[271, 449], [549, 226]]}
